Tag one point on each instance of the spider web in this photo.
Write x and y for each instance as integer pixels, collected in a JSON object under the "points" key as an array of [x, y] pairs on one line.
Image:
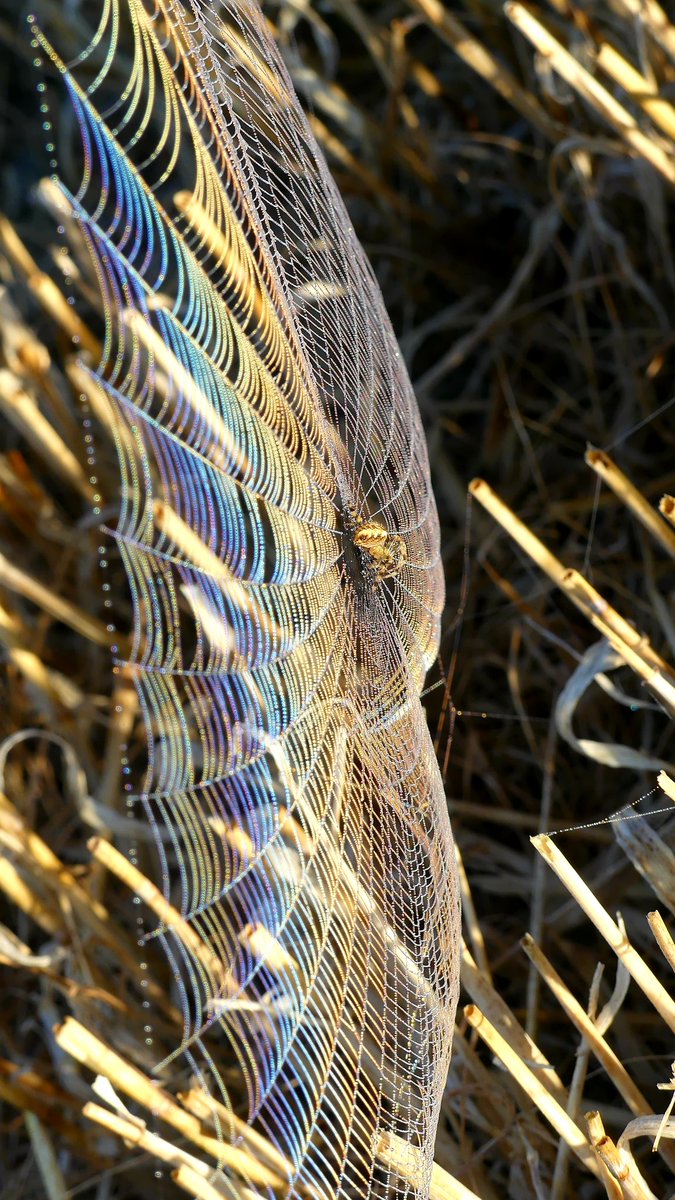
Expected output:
{"points": [[263, 417]]}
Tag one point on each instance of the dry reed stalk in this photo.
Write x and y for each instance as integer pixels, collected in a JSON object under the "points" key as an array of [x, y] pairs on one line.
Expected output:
{"points": [[211, 1111], [634, 648], [23, 412], [46, 292], [632, 497], [80, 995], [55, 606], [652, 20], [47, 892], [133, 1132], [196, 1185], [92, 1053], [231, 256], [495, 1102], [570, 69], [586, 1026], [659, 110], [540, 1096], [498, 1013], [665, 942], [666, 784], [340, 153], [40, 1097], [47, 869], [394, 1153], [352, 891], [484, 63], [619, 1163], [21, 896], [168, 916], [260, 1164], [665, 1125], [69, 1134], [88, 386], [56, 687], [667, 508], [263, 945], [471, 922], [124, 713], [609, 930], [561, 1171], [49, 1109], [197, 552]]}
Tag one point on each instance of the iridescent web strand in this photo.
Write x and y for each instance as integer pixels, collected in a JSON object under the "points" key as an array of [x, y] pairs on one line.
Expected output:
{"points": [[270, 450]]}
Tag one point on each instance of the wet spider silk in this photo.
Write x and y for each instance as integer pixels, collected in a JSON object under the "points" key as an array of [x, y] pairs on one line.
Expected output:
{"points": [[282, 549]]}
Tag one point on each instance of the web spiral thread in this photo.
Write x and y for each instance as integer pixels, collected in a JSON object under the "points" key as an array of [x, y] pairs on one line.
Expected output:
{"points": [[282, 548]]}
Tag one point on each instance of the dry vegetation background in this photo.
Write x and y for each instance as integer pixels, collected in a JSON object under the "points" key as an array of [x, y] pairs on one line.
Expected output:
{"points": [[512, 177]]}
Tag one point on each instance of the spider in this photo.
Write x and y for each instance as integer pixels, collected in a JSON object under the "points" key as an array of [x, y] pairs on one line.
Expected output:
{"points": [[384, 552]]}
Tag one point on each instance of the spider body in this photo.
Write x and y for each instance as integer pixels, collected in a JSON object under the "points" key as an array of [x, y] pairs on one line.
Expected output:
{"points": [[383, 552]]}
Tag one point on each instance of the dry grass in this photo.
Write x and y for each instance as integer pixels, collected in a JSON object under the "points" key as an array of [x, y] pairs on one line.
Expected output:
{"points": [[511, 175]]}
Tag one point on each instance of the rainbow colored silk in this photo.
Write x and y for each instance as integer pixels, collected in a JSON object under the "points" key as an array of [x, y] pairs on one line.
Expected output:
{"points": [[268, 436]]}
